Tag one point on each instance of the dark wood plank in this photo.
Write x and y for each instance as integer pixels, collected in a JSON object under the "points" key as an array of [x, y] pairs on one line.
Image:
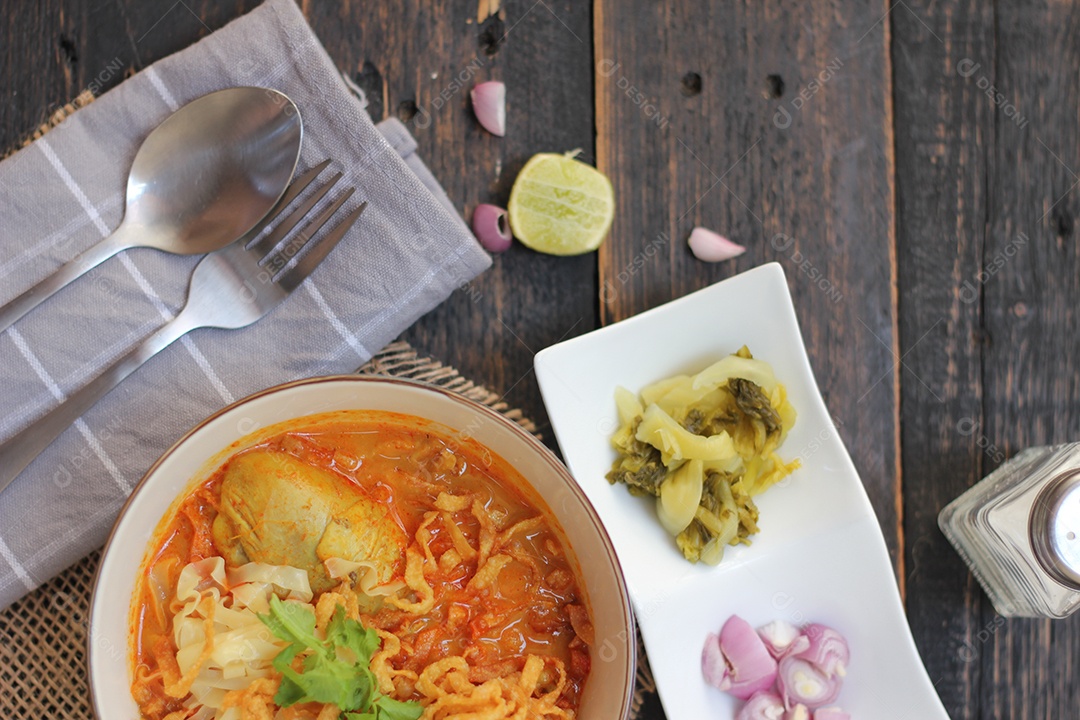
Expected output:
{"points": [[39, 73], [987, 203], [943, 127], [1030, 296], [55, 50], [768, 122], [418, 61]]}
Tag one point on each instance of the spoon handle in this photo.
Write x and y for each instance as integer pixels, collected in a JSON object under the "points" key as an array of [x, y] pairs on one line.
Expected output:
{"points": [[19, 451], [74, 269]]}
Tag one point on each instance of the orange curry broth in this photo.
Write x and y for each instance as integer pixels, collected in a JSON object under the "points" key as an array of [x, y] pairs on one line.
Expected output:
{"points": [[403, 462]]}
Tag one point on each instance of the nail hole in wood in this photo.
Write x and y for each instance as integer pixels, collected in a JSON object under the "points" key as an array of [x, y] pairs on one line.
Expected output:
{"points": [[67, 46], [774, 86], [406, 110], [492, 35], [370, 81], [691, 84], [1064, 223]]}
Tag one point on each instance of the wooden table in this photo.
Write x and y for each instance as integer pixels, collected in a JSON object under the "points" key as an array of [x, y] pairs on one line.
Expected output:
{"points": [[912, 165]]}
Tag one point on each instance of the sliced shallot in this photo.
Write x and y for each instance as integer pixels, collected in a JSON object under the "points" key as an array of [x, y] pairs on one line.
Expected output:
{"points": [[783, 671], [712, 247], [713, 666], [762, 705], [489, 104], [828, 649], [800, 681], [492, 228], [831, 713], [750, 667], [782, 639], [799, 712]]}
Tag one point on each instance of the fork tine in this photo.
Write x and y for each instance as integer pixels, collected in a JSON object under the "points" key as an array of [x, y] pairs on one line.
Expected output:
{"points": [[268, 242], [291, 249], [295, 275], [296, 187]]}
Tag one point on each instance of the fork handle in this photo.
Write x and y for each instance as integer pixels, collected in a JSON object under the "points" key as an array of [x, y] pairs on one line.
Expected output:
{"points": [[14, 309], [19, 451]]}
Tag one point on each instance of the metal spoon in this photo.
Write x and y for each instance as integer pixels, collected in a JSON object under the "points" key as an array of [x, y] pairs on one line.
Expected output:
{"points": [[200, 180]]}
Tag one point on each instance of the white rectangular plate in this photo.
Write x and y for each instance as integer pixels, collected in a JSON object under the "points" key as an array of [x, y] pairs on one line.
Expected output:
{"points": [[819, 556]]}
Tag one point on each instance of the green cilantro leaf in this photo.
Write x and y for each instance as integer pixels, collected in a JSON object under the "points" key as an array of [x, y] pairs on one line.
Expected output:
{"points": [[291, 622], [350, 634], [391, 709], [333, 670]]}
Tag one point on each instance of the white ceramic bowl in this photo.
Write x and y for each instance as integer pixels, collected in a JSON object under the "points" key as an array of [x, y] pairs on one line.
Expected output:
{"points": [[609, 688]]}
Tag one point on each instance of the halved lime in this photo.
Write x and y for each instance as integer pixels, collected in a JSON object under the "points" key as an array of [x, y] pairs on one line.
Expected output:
{"points": [[561, 206]]}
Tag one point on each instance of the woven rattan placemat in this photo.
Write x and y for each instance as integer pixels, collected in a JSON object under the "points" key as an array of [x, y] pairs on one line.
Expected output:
{"points": [[43, 636]]}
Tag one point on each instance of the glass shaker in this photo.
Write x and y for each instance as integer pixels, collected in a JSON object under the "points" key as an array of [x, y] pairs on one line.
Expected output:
{"points": [[1018, 530]]}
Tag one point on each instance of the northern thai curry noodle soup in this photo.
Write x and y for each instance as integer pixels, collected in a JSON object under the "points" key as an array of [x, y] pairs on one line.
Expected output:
{"points": [[424, 536]]}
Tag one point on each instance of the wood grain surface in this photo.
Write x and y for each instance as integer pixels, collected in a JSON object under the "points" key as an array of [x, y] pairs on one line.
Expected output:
{"points": [[914, 167], [986, 148], [941, 134]]}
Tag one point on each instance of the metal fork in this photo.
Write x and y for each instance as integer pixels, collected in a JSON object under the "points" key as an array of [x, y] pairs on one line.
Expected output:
{"points": [[230, 288]]}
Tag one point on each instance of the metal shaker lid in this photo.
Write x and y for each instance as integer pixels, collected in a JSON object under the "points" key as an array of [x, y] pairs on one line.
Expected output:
{"points": [[1054, 528]]}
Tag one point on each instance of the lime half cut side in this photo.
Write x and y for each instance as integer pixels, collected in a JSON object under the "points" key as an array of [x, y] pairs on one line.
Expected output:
{"points": [[561, 206]]}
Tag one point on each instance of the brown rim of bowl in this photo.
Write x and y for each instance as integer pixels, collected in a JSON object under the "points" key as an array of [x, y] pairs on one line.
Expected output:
{"points": [[530, 439]]}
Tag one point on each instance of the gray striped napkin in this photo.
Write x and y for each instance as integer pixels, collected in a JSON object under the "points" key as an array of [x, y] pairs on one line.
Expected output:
{"points": [[65, 192]]}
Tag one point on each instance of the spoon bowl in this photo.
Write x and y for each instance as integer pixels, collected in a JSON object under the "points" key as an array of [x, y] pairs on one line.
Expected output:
{"points": [[211, 171], [201, 179]]}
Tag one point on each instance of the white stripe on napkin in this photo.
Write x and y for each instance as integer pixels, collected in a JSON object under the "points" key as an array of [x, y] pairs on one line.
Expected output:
{"points": [[20, 571], [84, 429], [72, 227], [145, 286], [35, 364], [346, 335], [110, 466], [155, 80], [205, 366], [71, 185]]}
